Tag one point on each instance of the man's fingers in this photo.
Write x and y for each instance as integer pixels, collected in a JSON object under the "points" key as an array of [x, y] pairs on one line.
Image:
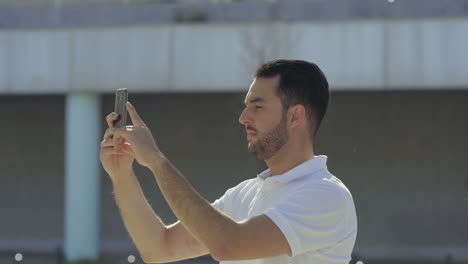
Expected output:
{"points": [[127, 148], [111, 118], [107, 147], [109, 133], [116, 141], [110, 151], [136, 119], [108, 142]]}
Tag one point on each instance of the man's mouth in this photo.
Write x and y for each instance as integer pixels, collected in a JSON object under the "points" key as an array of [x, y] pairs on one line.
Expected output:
{"points": [[251, 134]]}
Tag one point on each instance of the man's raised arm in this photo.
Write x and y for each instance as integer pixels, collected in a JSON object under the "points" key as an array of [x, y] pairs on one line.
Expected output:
{"points": [[155, 242]]}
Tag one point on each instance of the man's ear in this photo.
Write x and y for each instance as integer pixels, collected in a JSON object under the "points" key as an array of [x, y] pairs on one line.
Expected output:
{"points": [[297, 115]]}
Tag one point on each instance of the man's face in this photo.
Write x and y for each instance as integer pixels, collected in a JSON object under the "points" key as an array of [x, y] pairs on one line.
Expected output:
{"points": [[264, 118]]}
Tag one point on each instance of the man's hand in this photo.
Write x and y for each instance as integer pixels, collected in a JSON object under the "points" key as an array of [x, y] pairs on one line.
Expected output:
{"points": [[136, 141], [113, 161]]}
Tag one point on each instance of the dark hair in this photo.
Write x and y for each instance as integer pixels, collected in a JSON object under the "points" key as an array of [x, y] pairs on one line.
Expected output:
{"points": [[301, 82]]}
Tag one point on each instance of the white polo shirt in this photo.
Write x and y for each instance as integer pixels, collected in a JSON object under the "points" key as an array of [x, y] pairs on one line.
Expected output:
{"points": [[314, 210]]}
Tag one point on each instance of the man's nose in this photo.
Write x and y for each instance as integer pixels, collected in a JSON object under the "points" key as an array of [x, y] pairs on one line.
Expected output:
{"points": [[244, 118]]}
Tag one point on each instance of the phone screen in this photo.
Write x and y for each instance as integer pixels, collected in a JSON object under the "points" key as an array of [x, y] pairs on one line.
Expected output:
{"points": [[121, 97]]}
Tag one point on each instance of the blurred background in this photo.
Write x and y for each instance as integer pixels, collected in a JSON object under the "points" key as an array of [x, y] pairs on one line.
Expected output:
{"points": [[395, 133]]}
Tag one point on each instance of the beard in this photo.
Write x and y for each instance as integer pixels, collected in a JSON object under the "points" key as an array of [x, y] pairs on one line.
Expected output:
{"points": [[270, 142]]}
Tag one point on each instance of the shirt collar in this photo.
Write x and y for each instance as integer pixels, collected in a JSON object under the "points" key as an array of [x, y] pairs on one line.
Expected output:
{"points": [[306, 168]]}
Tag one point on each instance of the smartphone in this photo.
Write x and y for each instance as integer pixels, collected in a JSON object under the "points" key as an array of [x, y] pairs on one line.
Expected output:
{"points": [[121, 97]]}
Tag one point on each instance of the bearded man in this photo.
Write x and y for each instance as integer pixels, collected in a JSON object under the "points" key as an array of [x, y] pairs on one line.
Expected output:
{"points": [[294, 212]]}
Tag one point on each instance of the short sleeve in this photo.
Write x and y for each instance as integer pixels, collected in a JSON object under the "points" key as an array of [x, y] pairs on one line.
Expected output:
{"points": [[311, 219], [224, 202], [230, 201]]}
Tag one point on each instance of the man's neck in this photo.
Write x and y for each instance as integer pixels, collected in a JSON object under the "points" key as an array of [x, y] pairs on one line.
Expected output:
{"points": [[288, 157]]}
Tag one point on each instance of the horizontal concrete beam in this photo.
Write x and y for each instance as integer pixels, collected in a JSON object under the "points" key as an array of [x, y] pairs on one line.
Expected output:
{"points": [[355, 55]]}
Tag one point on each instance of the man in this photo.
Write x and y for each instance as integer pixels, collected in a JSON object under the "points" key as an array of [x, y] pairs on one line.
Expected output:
{"points": [[294, 212]]}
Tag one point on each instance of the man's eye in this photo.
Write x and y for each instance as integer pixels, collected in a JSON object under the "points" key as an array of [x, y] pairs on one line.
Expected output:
{"points": [[257, 107]]}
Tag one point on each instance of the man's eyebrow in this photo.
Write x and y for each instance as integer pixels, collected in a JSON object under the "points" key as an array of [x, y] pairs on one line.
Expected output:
{"points": [[255, 100]]}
